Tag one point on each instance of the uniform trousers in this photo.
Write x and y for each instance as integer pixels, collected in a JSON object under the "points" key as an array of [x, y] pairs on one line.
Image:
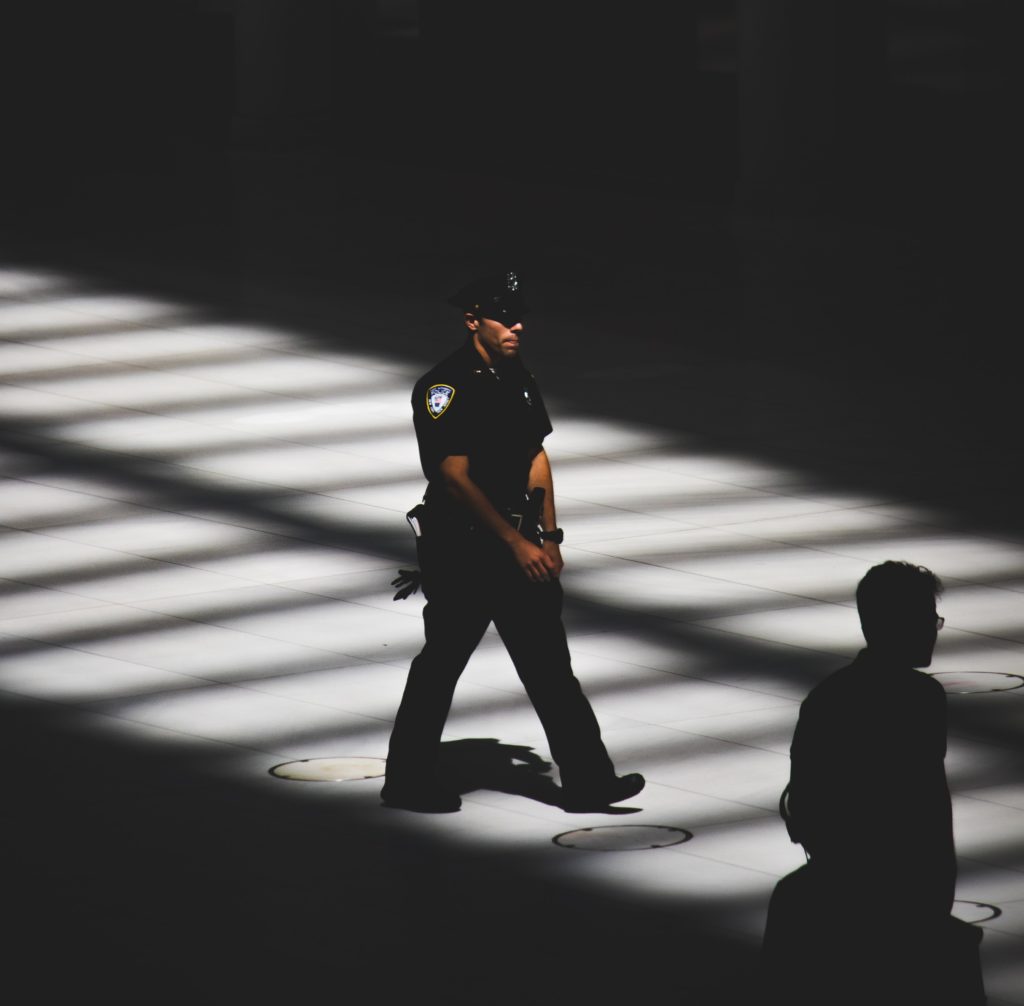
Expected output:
{"points": [[470, 579]]}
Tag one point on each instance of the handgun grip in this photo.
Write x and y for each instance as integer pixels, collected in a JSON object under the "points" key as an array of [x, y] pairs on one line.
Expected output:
{"points": [[535, 514]]}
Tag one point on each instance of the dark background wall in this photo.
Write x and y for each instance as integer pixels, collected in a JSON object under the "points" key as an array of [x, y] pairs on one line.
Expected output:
{"points": [[796, 181], [901, 100]]}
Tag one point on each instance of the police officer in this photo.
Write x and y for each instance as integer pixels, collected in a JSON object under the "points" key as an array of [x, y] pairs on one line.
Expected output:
{"points": [[480, 424]]}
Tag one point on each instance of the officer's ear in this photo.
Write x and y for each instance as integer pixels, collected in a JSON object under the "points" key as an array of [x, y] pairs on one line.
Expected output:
{"points": [[472, 321]]}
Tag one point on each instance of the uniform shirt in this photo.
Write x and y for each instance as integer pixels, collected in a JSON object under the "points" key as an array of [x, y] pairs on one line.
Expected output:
{"points": [[492, 415]]}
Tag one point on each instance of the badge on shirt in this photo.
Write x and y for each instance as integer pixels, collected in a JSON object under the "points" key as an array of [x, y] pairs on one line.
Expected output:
{"points": [[439, 397]]}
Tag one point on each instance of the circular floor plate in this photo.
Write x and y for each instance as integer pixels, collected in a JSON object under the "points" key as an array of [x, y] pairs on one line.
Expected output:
{"points": [[975, 911], [622, 837], [330, 769], [973, 682]]}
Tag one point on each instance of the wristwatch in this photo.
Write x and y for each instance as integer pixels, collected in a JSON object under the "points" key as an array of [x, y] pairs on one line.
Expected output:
{"points": [[556, 536]]}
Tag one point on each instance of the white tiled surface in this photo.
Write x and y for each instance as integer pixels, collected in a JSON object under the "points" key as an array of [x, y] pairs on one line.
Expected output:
{"points": [[705, 595]]}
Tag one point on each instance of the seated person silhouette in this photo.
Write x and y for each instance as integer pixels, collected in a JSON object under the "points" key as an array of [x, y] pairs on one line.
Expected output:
{"points": [[867, 919]]}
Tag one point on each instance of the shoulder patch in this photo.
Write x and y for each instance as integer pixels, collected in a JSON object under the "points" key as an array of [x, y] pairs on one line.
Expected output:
{"points": [[439, 397]]}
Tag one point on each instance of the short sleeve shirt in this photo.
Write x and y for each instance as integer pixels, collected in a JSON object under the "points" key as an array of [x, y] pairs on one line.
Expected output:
{"points": [[493, 416]]}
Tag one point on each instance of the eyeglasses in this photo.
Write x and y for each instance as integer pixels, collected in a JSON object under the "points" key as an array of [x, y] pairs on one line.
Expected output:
{"points": [[939, 622]]}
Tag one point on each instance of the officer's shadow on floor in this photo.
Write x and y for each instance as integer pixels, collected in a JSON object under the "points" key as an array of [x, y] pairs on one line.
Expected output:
{"points": [[476, 763]]}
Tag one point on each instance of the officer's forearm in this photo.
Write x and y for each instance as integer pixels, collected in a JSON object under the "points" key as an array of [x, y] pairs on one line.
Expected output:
{"points": [[540, 477]]}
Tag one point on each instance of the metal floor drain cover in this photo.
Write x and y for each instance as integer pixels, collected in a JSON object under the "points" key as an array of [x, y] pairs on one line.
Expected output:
{"points": [[330, 769], [972, 682], [975, 911], [622, 837]]}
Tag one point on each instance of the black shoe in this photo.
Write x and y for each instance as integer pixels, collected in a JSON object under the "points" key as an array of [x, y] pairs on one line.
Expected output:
{"points": [[427, 799], [598, 797]]}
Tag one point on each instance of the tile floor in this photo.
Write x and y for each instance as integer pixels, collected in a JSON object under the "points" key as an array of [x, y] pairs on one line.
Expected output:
{"points": [[200, 520]]}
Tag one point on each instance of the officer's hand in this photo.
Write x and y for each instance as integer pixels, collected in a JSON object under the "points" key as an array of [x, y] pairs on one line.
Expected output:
{"points": [[554, 554], [535, 563]]}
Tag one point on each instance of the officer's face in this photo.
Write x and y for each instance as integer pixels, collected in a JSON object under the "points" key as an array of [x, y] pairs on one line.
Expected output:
{"points": [[497, 340]]}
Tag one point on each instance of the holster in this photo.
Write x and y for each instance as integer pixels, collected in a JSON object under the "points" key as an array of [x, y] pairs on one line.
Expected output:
{"points": [[529, 522], [417, 519]]}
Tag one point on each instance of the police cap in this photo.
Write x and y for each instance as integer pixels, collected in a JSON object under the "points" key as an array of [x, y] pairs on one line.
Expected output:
{"points": [[498, 297]]}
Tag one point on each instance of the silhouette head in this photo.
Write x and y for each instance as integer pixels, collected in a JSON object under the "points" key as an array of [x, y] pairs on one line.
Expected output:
{"points": [[896, 604]]}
